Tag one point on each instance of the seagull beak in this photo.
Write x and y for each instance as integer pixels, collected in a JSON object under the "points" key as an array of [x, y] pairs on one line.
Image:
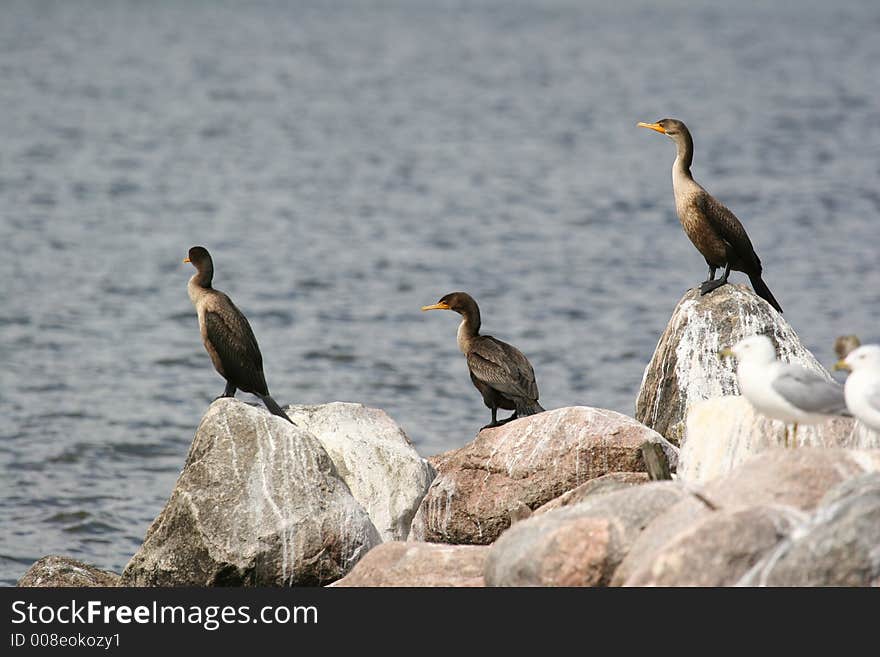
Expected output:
{"points": [[727, 352], [187, 259], [437, 306], [842, 365], [652, 126]]}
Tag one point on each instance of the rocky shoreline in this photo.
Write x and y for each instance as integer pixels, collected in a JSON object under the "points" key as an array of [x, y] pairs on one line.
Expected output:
{"points": [[556, 499]]}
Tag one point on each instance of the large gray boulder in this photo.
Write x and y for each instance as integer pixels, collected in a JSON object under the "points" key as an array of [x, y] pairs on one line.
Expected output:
{"points": [[718, 548], [577, 545], [686, 367], [524, 463], [419, 564], [797, 478], [723, 432], [259, 503], [57, 571], [838, 546], [374, 457]]}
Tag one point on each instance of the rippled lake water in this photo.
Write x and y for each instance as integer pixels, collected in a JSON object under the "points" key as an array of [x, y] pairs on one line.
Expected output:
{"points": [[348, 164]]}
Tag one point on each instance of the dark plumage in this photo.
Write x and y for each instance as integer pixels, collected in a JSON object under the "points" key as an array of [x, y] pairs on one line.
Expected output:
{"points": [[500, 371], [227, 335], [714, 230], [844, 344]]}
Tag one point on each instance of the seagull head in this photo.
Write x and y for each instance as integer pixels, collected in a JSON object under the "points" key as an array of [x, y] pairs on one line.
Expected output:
{"points": [[754, 349]]}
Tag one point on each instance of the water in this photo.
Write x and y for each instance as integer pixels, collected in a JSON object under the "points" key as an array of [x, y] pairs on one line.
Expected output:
{"points": [[348, 164]]}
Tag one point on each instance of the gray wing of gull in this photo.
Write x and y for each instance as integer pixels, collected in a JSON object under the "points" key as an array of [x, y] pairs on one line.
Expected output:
{"points": [[809, 391]]}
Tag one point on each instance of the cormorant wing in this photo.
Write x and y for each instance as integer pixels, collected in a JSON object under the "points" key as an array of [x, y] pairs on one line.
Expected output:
{"points": [[232, 337], [728, 227], [809, 391], [503, 367]]}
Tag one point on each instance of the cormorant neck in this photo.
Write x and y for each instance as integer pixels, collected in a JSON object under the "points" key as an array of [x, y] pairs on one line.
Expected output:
{"points": [[471, 321], [684, 157], [204, 275], [468, 329]]}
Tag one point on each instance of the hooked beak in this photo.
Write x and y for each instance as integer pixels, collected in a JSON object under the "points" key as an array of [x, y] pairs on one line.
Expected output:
{"points": [[727, 352], [652, 126], [186, 259], [842, 365], [437, 306]]}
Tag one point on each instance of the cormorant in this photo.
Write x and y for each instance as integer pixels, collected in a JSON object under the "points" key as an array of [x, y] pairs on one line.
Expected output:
{"points": [[501, 372], [227, 335], [713, 229], [844, 344]]}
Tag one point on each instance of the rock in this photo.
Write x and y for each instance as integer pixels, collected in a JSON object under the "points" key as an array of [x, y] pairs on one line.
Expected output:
{"points": [[863, 484], [723, 432], [518, 512], [838, 546], [578, 545], [419, 564], [680, 517], [528, 461], [57, 571], [607, 483], [438, 460], [686, 367], [718, 549], [374, 457], [258, 503], [782, 477]]}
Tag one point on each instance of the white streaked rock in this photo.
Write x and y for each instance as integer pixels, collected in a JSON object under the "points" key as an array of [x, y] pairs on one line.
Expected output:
{"points": [[374, 457], [723, 432], [259, 503], [686, 368]]}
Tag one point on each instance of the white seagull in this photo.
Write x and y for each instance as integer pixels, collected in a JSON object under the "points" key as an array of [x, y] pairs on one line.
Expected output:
{"points": [[783, 391], [862, 387]]}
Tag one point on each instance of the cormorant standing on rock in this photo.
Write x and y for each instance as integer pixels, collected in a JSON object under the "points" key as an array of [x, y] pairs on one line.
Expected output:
{"points": [[227, 335], [500, 371], [713, 229]]}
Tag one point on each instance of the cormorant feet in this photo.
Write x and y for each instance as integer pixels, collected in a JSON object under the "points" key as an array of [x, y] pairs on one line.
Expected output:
{"points": [[709, 286], [499, 423]]}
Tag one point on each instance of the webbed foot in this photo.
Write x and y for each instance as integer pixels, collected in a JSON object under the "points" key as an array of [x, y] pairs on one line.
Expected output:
{"points": [[709, 286], [498, 423]]}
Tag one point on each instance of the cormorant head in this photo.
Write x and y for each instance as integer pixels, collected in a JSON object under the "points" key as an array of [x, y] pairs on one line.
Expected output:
{"points": [[756, 349], [669, 127], [867, 356], [199, 257], [460, 302], [845, 344], [201, 260]]}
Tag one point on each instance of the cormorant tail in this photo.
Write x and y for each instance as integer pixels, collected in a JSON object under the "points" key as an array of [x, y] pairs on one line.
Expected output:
{"points": [[525, 407], [275, 409], [764, 292]]}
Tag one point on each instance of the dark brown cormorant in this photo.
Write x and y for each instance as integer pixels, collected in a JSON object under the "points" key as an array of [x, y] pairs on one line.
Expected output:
{"points": [[227, 335], [714, 230], [501, 372], [844, 344]]}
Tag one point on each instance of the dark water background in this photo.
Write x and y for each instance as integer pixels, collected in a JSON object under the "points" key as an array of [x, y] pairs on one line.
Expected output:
{"points": [[349, 162]]}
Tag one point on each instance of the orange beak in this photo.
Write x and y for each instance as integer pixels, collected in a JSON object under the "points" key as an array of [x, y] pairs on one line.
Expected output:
{"points": [[186, 259], [652, 126], [437, 306]]}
